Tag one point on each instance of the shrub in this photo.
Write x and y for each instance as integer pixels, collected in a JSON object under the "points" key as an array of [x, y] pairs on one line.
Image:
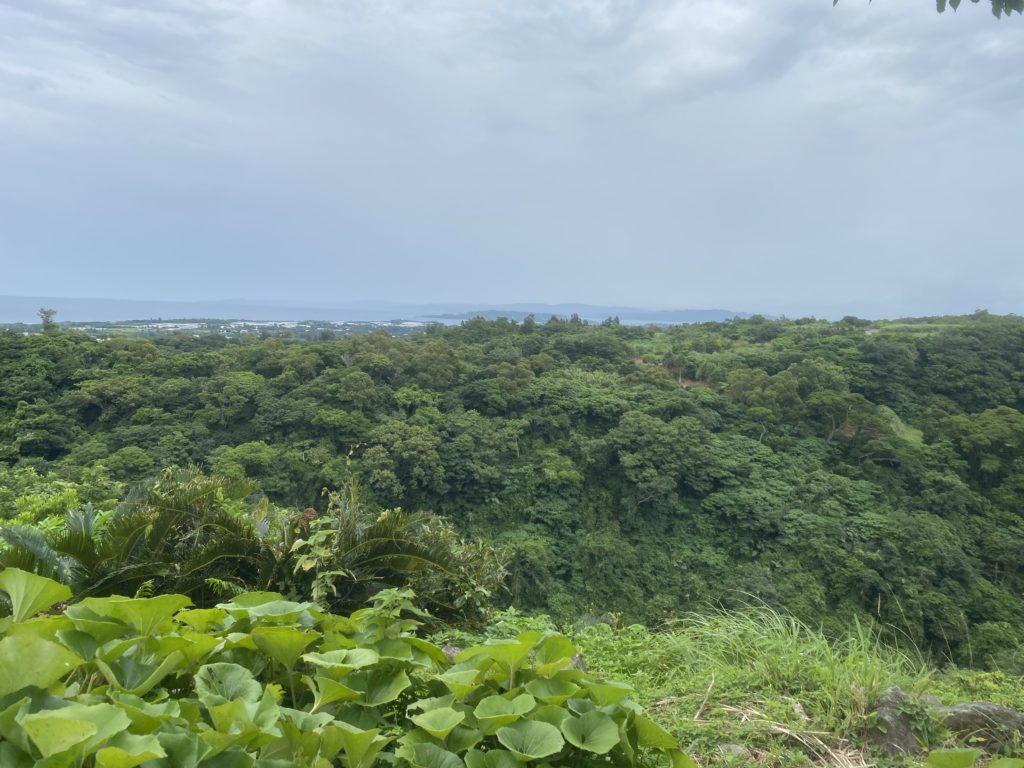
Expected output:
{"points": [[264, 682]]}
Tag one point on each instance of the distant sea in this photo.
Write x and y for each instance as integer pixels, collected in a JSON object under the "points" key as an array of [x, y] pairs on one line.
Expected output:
{"points": [[24, 309]]}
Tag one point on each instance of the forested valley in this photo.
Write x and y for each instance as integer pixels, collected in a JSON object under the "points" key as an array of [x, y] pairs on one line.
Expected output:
{"points": [[846, 473]]}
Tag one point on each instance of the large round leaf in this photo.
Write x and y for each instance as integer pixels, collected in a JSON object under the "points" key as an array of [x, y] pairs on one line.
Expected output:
{"points": [[953, 758], [551, 691], [25, 660], [433, 756], [223, 682], [338, 663], [378, 686], [283, 644], [650, 734], [439, 722], [492, 758], [461, 682], [594, 732], [496, 711], [30, 593], [530, 740]]}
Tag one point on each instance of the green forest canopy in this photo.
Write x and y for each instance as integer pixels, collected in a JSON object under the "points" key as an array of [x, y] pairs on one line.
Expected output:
{"points": [[839, 470]]}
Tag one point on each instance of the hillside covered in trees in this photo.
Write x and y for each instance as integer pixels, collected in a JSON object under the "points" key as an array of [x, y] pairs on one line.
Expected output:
{"points": [[839, 471]]}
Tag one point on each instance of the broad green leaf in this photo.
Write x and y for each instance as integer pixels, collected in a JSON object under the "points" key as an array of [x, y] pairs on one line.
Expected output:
{"points": [[495, 711], [679, 759], [437, 702], [341, 662], [85, 726], [184, 750], [550, 713], [236, 717], [361, 746], [10, 730], [270, 612], [409, 739], [82, 643], [433, 756], [581, 706], [531, 740], [29, 661], [147, 614], [252, 599], [552, 691], [44, 626], [554, 654], [462, 738], [198, 647], [439, 722], [327, 691], [595, 732], [650, 734], [1007, 762], [223, 682], [202, 619], [143, 614], [953, 758], [146, 717], [138, 678], [378, 686], [53, 735], [604, 694], [283, 644], [625, 753], [509, 653], [461, 682], [492, 758], [128, 750], [228, 756], [12, 757], [103, 628], [395, 648], [30, 593], [429, 650]]}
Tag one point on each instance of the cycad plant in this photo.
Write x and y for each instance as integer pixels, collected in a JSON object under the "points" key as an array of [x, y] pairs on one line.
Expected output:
{"points": [[344, 557], [185, 533]]}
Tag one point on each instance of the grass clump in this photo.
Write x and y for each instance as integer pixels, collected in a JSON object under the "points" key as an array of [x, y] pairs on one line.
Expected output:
{"points": [[756, 686], [760, 688]]}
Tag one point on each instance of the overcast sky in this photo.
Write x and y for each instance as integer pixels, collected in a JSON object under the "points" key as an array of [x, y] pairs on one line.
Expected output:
{"points": [[780, 156]]}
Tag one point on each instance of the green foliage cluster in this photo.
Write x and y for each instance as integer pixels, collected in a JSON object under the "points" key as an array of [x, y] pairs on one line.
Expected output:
{"points": [[205, 537], [847, 470], [265, 682]]}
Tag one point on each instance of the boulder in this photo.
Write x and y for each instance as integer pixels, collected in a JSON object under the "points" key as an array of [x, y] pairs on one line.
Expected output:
{"points": [[892, 733], [992, 726]]}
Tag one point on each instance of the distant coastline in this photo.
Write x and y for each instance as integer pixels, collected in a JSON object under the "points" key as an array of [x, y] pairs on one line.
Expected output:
{"points": [[24, 309]]}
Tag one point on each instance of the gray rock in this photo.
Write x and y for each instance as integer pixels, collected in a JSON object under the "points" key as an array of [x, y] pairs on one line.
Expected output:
{"points": [[892, 733], [734, 750], [992, 725]]}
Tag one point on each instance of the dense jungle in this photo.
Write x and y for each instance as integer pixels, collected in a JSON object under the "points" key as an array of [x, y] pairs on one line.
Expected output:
{"points": [[846, 473]]}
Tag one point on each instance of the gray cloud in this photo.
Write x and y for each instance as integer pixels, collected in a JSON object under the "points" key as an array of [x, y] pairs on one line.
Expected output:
{"points": [[787, 158]]}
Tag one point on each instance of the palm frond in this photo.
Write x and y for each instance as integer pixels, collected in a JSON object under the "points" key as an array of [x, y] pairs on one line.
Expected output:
{"points": [[28, 549]]}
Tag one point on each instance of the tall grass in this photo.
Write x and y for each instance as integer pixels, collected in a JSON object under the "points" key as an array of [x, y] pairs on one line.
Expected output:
{"points": [[756, 676], [757, 687]]}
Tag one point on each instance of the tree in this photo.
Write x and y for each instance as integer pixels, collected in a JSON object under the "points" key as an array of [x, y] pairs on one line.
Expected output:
{"points": [[999, 7], [46, 316]]}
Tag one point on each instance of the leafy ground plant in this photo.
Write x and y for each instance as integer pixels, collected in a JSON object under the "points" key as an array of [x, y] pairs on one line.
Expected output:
{"points": [[265, 682]]}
